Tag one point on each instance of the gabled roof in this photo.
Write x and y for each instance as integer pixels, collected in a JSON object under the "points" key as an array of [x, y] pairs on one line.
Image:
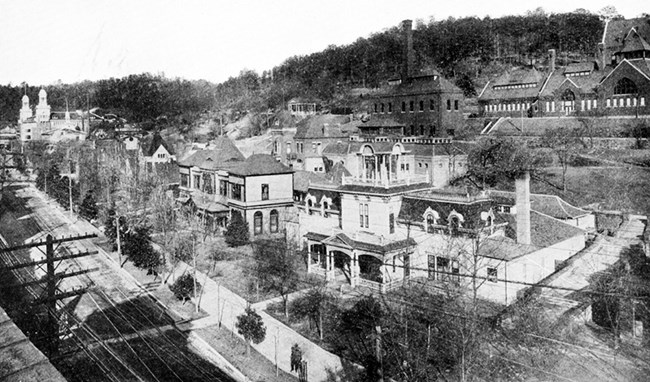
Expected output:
{"points": [[422, 84], [221, 151], [634, 42], [156, 142], [616, 31], [577, 67], [322, 126], [258, 164], [514, 77], [302, 180], [582, 84], [367, 242]]}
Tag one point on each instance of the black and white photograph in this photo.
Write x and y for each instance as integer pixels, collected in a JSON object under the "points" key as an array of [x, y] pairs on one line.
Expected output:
{"points": [[324, 191]]}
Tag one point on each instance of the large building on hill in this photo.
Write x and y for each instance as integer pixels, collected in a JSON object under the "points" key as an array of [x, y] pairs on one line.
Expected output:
{"points": [[617, 83], [415, 104], [42, 124], [219, 181]]}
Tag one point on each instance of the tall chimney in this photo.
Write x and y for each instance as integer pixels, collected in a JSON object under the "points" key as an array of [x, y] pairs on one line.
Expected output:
{"points": [[522, 202], [408, 59], [551, 53]]}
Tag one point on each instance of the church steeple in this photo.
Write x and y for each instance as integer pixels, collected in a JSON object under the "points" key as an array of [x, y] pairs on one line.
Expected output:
{"points": [[25, 111], [43, 110]]}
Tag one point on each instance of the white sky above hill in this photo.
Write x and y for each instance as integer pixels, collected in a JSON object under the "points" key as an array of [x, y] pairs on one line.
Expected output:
{"points": [[42, 42]]}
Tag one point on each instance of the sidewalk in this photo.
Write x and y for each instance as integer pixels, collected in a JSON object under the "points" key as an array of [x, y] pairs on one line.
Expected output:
{"points": [[223, 306]]}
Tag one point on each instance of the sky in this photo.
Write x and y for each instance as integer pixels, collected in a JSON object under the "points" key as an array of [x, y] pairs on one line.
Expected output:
{"points": [[43, 42]]}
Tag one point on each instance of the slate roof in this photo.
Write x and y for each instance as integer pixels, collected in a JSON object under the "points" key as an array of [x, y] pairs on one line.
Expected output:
{"points": [[156, 142], [642, 65], [545, 231], [583, 84], [577, 67], [634, 42], [372, 190], [322, 126], [423, 84], [616, 31], [302, 180], [366, 245], [514, 77], [223, 150], [258, 164], [414, 205], [551, 205]]}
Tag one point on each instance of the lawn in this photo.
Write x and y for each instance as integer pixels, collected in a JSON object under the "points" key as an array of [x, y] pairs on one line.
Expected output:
{"points": [[608, 188]]}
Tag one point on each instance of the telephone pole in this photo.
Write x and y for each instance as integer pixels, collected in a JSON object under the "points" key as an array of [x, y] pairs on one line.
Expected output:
{"points": [[51, 281]]}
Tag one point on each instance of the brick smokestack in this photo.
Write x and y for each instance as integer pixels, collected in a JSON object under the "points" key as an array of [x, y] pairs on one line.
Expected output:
{"points": [[408, 58], [522, 202], [552, 56]]}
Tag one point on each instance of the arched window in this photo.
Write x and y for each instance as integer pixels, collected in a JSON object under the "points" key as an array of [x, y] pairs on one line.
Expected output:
{"points": [[258, 220], [403, 107], [430, 223], [454, 225], [421, 105], [382, 107], [625, 86], [273, 223], [489, 221]]}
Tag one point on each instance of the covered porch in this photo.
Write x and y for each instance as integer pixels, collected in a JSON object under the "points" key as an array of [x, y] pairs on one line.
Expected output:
{"points": [[378, 266]]}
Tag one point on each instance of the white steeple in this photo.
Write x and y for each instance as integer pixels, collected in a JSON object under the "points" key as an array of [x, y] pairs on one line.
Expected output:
{"points": [[43, 110], [25, 111]]}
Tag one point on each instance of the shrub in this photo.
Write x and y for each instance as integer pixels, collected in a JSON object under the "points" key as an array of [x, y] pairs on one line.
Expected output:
{"points": [[183, 288], [237, 232]]}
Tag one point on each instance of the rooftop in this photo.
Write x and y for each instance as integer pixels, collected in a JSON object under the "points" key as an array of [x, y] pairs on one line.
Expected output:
{"points": [[257, 164], [551, 205], [20, 360]]}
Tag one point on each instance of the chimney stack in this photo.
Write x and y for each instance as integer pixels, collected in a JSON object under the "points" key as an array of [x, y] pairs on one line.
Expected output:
{"points": [[522, 202], [408, 59], [552, 57]]}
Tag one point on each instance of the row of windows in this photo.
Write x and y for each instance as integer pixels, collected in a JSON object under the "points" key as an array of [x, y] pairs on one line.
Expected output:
{"points": [[258, 222], [624, 102], [421, 106], [413, 130], [520, 106], [237, 190], [577, 74], [515, 86], [446, 269]]}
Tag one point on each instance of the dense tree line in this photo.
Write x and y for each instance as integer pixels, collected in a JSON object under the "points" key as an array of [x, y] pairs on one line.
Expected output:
{"points": [[137, 98]]}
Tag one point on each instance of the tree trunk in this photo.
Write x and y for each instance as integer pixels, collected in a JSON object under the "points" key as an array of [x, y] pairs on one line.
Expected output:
{"points": [[320, 325], [285, 298]]}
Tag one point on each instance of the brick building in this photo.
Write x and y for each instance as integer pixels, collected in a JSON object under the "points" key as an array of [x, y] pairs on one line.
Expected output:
{"points": [[415, 104]]}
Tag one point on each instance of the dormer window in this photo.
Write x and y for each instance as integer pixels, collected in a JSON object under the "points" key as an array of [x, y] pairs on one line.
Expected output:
{"points": [[431, 218]]}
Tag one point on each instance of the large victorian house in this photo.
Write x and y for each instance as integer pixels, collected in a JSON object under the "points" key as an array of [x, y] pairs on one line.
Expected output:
{"points": [[382, 235], [219, 181]]}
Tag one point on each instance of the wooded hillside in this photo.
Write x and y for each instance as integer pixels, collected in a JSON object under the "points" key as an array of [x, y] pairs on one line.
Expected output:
{"points": [[465, 50]]}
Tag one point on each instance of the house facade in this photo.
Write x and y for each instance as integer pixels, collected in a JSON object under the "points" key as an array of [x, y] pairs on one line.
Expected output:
{"points": [[383, 236], [219, 181]]}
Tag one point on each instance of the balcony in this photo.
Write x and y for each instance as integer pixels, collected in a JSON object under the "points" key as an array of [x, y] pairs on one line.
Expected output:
{"points": [[384, 182]]}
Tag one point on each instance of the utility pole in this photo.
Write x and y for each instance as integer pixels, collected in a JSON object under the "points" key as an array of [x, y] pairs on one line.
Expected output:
{"points": [[119, 241], [51, 280]]}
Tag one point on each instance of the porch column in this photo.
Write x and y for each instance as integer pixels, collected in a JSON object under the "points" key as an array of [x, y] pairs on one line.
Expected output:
{"points": [[354, 270], [382, 269], [309, 257], [329, 272]]}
